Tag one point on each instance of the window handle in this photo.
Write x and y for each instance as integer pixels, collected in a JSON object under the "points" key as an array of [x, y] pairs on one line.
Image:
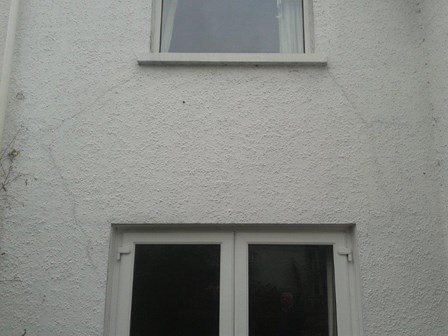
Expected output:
{"points": [[347, 252], [123, 250]]}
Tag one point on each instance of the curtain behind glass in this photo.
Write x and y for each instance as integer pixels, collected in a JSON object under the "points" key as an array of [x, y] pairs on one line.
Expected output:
{"points": [[209, 27], [168, 13], [290, 24]]}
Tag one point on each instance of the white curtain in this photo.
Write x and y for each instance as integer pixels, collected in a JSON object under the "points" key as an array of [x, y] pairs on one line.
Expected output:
{"points": [[169, 12], [290, 24]]}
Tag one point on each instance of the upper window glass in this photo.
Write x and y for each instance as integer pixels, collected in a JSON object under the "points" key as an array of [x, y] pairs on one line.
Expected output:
{"points": [[230, 26]]}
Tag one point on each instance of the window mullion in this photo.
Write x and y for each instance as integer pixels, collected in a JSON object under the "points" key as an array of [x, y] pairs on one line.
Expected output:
{"points": [[241, 286], [226, 317]]}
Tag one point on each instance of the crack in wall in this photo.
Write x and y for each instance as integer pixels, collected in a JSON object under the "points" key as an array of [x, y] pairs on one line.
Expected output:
{"points": [[347, 98], [93, 102], [64, 183], [374, 155], [74, 212], [15, 279]]}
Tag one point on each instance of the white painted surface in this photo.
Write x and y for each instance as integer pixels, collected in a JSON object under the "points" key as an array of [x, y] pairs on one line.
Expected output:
{"points": [[7, 64], [436, 34], [4, 12], [104, 140]]}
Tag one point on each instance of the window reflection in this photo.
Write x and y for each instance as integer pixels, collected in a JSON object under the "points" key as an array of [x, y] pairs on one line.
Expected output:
{"points": [[176, 290], [291, 290], [232, 26]]}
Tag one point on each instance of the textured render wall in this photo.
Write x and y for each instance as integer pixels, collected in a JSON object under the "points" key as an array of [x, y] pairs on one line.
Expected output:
{"points": [[103, 140], [435, 25], [4, 13]]}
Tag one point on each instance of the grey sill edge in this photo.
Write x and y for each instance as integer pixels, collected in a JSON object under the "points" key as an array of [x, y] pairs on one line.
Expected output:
{"points": [[230, 59], [235, 226]]}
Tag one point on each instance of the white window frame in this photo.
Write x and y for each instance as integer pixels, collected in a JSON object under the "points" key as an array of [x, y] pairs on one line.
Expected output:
{"points": [[155, 57], [234, 240]]}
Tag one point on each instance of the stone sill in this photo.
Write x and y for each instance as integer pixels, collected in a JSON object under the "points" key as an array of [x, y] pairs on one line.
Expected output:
{"points": [[230, 59]]}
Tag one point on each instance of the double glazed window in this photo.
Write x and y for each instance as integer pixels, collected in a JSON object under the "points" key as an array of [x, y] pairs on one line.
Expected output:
{"points": [[231, 283], [230, 26]]}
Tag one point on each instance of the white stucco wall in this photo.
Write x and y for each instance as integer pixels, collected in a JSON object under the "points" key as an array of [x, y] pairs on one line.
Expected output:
{"points": [[103, 140], [435, 25], [4, 12]]}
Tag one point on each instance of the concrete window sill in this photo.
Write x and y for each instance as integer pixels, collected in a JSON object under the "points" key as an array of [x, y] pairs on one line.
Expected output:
{"points": [[230, 59]]}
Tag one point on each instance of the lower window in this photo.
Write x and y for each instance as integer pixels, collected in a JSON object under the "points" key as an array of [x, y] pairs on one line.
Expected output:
{"points": [[253, 281]]}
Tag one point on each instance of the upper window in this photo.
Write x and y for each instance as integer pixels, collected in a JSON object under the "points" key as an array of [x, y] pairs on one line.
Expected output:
{"points": [[219, 282], [231, 32], [231, 26]]}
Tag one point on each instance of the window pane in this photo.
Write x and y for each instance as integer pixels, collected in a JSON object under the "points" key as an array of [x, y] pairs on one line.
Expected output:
{"points": [[291, 290], [176, 290], [232, 26]]}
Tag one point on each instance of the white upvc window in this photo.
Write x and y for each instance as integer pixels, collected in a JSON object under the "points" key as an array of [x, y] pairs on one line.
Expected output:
{"points": [[231, 31], [216, 280]]}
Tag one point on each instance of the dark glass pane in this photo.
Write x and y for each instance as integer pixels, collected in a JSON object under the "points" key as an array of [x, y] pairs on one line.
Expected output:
{"points": [[176, 290], [220, 26], [289, 289]]}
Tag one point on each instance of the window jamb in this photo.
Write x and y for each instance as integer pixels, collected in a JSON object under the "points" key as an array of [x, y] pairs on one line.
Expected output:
{"points": [[308, 26], [156, 26]]}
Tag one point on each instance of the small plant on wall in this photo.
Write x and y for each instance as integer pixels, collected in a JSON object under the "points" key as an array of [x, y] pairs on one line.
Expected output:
{"points": [[8, 157]]}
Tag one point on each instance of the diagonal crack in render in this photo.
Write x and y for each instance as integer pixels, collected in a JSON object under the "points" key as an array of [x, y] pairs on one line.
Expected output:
{"points": [[64, 183], [74, 212]]}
